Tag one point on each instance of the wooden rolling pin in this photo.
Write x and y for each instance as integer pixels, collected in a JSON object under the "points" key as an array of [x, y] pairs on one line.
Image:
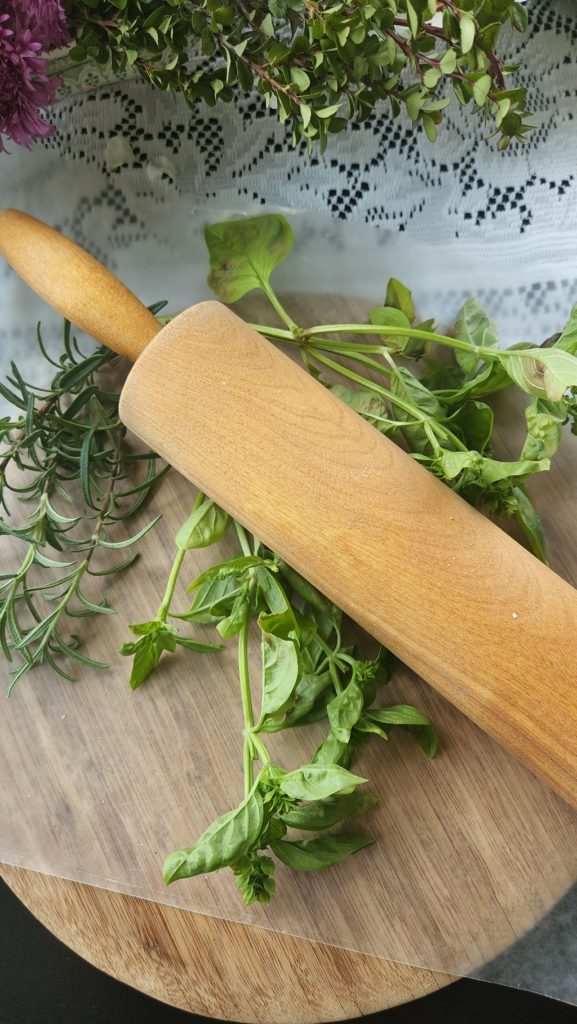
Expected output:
{"points": [[465, 606]]}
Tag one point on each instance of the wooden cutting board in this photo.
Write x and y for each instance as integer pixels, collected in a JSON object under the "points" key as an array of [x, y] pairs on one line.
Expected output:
{"points": [[237, 972]]}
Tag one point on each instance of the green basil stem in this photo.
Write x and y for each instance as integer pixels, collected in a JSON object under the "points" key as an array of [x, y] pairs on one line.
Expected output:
{"points": [[394, 399], [247, 709], [243, 538], [279, 308], [164, 606], [407, 332], [301, 337], [253, 745]]}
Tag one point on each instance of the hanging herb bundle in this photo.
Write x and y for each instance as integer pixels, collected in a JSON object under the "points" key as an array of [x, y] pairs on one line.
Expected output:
{"points": [[320, 63], [390, 372]]}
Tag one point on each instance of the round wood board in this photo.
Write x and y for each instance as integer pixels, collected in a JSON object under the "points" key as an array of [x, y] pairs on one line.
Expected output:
{"points": [[213, 967], [238, 972]]}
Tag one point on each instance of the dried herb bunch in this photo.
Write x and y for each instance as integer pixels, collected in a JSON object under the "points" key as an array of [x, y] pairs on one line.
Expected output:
{"points": [[320, 62]]}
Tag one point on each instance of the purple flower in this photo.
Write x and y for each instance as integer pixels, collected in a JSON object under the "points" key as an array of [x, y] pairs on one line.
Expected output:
{"points": [[25, 89], [46, 18]]}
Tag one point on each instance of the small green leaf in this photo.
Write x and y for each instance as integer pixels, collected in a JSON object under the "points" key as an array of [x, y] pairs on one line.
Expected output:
{"points": [[481, 89], [243, 253], [344, 711], [544, 428], [431, 78], [326, 112], [117, 545], [213, 600], [280, 673], [448, 62], [235, 620], [474, 326], [413, 720], [398, 296], [228, 839], [316, 781], [468, 31], [317, 854], [234, 567], [204, 526], [530, 522], [474, 422], [300, 79], [568, 339], [547, 373], [321, 814]]}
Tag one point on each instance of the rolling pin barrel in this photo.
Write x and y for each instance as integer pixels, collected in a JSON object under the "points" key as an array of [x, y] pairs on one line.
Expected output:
{"points": [[472, 612]]}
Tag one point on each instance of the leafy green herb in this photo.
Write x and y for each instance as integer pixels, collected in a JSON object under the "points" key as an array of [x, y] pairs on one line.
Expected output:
{"points": [[319, 62], [65, 448]]}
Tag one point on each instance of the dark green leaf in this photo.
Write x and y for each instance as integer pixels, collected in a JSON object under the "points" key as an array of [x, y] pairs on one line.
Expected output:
{"points": [[317, 854], [204, 526], [228, 839], [316, 781], [344, 711], [280, 673], [321, 814]]}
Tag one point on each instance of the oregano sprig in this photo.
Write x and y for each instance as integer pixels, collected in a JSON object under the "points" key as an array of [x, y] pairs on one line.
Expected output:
{"points": [[321, 63]]}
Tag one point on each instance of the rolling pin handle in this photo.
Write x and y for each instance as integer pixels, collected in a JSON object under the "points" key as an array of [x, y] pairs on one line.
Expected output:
{"points": [[76, 284]]}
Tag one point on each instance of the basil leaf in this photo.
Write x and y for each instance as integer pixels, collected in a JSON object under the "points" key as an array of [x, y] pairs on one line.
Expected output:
{"points": [[407, 385], [308, 704], [213, 600], [568, 339], [322, 814], [228, 839], [399, 714], [413, 720], [235, 620], [473, 325], [332, 751], [233, 567], [243, 253], [546, 373], [154, 638], [320, 853], [280, 673], [204, 526], [272, 591], [315, 781], [474, 423], [489, 381], [371, 406], [399, 297], [344, 711], [544, 428], [531, 524], [281, 624]]}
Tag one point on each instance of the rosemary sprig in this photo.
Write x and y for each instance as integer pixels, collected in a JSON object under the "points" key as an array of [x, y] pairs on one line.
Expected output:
{"points": [[67, 457]]}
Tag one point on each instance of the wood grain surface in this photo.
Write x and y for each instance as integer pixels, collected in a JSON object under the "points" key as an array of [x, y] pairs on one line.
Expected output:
{"points": [[471, 849], [214, 967]]}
